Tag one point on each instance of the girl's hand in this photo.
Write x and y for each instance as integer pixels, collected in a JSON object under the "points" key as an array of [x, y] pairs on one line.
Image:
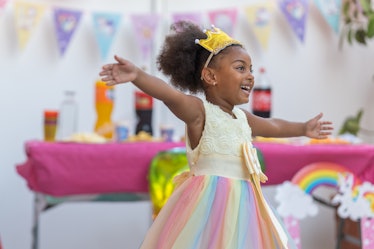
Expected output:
{"points": [[315, 128], [121, 72]]}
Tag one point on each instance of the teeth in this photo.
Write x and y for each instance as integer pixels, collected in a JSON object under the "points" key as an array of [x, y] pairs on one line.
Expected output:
{"points": [[246, 87]]}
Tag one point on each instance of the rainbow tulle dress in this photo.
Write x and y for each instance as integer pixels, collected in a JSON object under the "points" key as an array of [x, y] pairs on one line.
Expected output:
{"points": [[218, 204]]}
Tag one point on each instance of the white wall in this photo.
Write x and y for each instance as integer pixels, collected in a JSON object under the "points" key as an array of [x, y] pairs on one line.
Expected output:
{"points": [[307, 78]]}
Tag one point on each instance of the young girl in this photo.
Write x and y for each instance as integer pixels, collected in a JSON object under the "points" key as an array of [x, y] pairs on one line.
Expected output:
{"points": [[219, 203]]}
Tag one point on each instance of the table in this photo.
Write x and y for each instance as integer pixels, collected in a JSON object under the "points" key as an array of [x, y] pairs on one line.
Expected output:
{"points": [[282, 161], [61, 171]]}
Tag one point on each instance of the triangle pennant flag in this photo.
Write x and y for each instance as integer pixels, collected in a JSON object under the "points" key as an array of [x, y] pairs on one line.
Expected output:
{"points": [[66, 22], [27, 18], [330, 10], [3, 3], [259, 18], [224, 19], [296, 12], [105, 28], [145, 26], [194, 17]]}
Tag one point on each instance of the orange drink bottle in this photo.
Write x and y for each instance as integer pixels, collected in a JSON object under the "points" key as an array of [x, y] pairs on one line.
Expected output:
{"points": [[50, 125], [104, 103]]}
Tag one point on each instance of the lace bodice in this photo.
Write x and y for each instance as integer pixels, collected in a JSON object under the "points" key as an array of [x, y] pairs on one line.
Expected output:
{"points": [[222, 133]]}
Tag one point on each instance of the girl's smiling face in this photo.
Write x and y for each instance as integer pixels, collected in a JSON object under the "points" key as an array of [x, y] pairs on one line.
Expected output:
{"points": [[232, 69]]}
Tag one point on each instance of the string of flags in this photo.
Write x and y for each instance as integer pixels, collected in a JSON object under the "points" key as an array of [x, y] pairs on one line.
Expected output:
{"points": [[106, 24]]}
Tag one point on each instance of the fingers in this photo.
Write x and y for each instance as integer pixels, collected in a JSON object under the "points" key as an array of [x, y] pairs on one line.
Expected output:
{"points": [[319, 116], [119, 59], [325, 129], [108, 66]]}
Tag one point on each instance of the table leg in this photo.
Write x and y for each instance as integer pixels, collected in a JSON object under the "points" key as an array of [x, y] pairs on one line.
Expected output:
{"points": [[39, 205]]}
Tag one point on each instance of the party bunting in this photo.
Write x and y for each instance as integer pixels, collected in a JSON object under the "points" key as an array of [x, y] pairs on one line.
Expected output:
{"points": [[27, 18], [194, 17], [225, 19], [296, 12], [145, 26], [66, 22], [330, 9], [105, 28], [3, 3], [259, 18]]}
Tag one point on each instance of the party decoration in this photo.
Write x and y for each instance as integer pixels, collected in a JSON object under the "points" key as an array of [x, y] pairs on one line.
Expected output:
{"points": [[105, 28], [259, 18], [294, 197], [66, 22], [294, 205], [27, 17], [294, 202], [216, 41], [145, 26], [319, 174], [195, 17], [2, 5], [367, 233], [296, 12], [355, 201], [224, 19], [293, 227], [164, 167], [330, 10]]}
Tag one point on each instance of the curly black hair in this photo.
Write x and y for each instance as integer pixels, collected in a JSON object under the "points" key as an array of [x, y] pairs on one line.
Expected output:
{"points": [[181, 58]]}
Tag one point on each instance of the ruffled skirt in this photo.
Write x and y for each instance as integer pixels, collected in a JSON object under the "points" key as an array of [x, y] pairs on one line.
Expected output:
{"points": [[212, 212]]}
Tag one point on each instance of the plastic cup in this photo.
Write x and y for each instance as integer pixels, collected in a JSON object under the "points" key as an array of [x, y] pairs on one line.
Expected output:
{"points": [[167, 133], [121, 131]]}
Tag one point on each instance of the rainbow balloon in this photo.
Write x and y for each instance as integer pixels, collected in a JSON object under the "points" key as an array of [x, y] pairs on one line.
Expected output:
{"points": [[319, 174]]}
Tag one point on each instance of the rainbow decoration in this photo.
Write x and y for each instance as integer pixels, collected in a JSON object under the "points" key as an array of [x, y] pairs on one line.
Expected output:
{"points": [[319, 174]]}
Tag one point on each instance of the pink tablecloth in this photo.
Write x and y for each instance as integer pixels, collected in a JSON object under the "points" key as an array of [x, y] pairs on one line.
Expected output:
{"points": [[60, 169], [284, 160]]}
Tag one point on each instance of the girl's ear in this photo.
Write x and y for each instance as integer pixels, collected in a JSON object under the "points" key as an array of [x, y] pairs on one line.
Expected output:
{"points": [[208, 76]]}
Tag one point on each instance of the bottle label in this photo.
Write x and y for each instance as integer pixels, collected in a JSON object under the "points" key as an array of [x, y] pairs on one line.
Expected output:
{"points": [[261, 100], [143, 101], [104, 94]]}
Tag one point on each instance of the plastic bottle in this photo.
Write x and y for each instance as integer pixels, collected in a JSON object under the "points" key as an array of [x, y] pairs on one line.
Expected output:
{"points": [[143, 109], [261, 95], [67, 124], [104, 103], [50, 125]]}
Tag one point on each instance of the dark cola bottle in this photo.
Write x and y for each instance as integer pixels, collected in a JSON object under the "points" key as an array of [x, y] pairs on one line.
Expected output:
{"points": [[143, 109], [261, 95]]}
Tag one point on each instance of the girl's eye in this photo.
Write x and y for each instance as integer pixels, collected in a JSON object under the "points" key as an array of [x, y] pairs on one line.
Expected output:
{"points": [[241, 68]]}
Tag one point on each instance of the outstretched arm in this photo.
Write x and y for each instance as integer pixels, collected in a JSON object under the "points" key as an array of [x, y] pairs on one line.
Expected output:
{"points": [[313, 128], [185, 107]]}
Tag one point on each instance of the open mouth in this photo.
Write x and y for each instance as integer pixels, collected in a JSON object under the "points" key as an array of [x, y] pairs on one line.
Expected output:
{"points": [[245, 88]]}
